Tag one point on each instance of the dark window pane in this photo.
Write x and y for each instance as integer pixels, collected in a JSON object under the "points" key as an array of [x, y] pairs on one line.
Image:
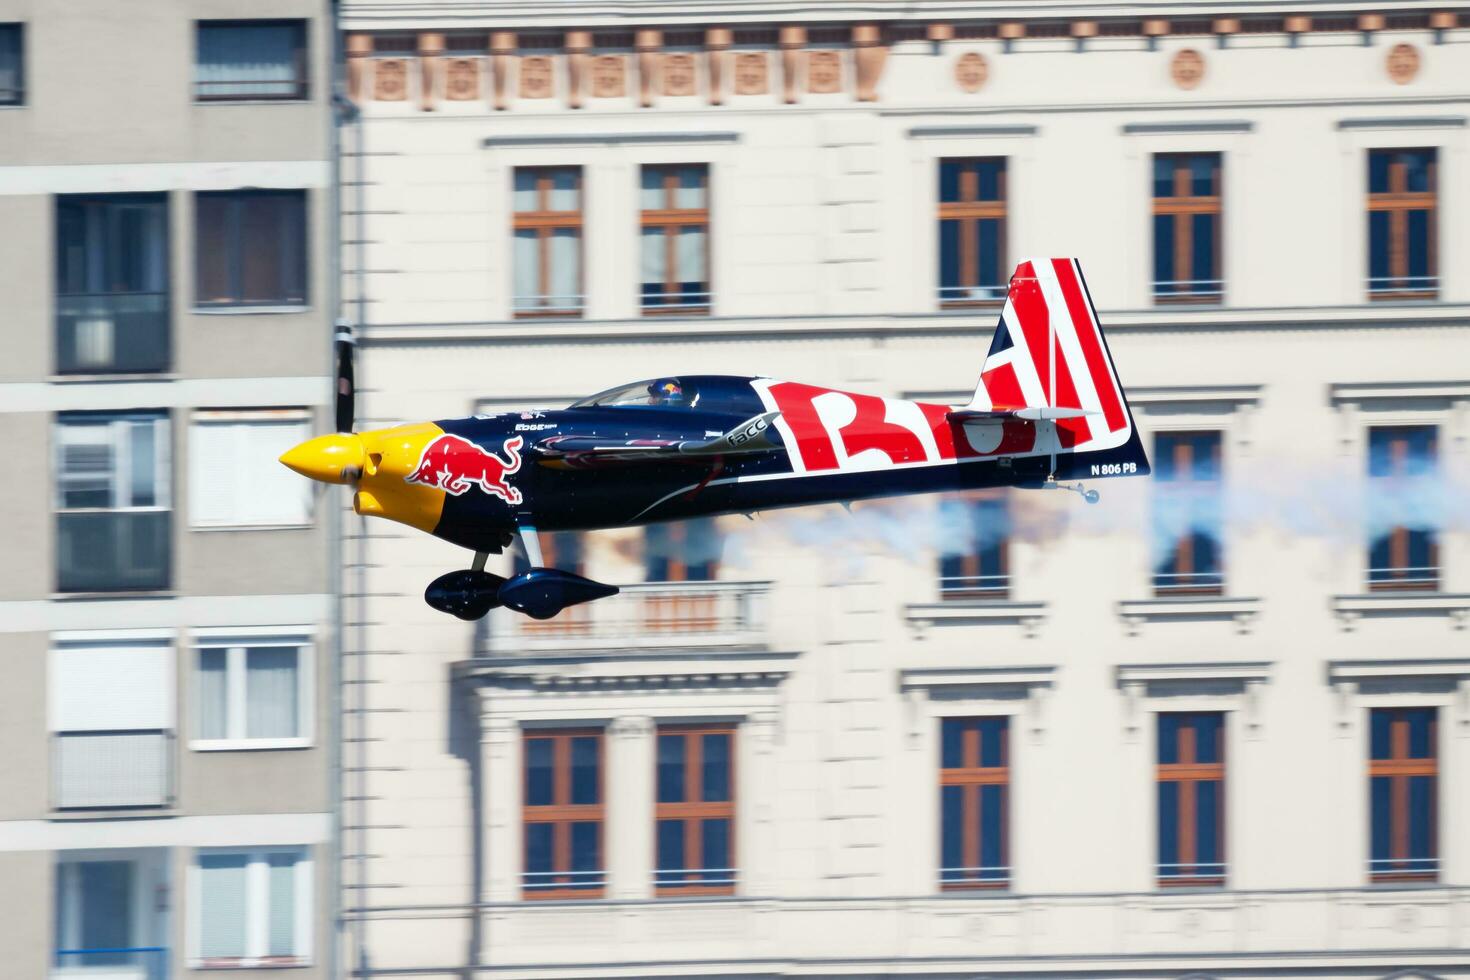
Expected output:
{"points": [[1168, 738], [715, 842], [671, 768], [249, 61], [12, 68], [1207, 823], [716, 776], [1421, 816], [952, 743], [1163, 176], [1205, 459], [585, 787], [538, 772], [1381, 792], [1168, 826], [251, 247], [1417, 167], [538, 848], [1380, 733], [1378, 235], [951, 827], [1164, 249], [988, 248], [949, 257], [1380, 558], [992, 742], [1420, 726], [1202, 175], [991, 172], [1421, 552], [213, 232], [949, 180], [670, 845], [1378, 161], [992, 820], [657, 547], [1418, 247], [1202, 244], [586, 854], [1207, 732]]}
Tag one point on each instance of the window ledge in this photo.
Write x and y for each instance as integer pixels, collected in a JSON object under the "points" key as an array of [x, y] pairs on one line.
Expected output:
{"points": [[1350, 608], [937, 678], [99, 813], [252, 527], [1238, 672], [122, 594], [248, 744], [1349, 671], [926, 615], [261, 963], [266, 309], [1242, 611], [121, 377]]}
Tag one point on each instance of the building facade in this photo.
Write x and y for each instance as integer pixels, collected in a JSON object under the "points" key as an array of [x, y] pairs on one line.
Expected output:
{"points": [[167, 615], [1216, 725]]}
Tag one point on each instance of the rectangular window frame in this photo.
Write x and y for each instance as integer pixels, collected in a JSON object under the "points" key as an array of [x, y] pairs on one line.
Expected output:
{"points": [[257, 910], [1182, 206], [975, 583], [968, 211], [1399, 768], [238, 199], [300, 61], [671, 220], [16, 96], [235, 642], [201, 420], [1398, 201], [545, 222], [976, 777], [1186, 578], [1429, 577], [691, 812], [561, 815], [1187, 774]]}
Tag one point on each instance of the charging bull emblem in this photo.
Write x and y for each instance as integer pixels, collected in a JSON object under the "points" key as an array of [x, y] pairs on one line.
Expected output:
{"points": [[454, 464]]}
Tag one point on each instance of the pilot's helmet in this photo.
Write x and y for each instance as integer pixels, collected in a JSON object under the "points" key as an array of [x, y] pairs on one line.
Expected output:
{"points": [[665, 391]]}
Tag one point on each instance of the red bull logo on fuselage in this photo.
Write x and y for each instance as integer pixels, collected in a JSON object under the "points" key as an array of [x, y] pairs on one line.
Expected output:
{"points": [[454, 464]]}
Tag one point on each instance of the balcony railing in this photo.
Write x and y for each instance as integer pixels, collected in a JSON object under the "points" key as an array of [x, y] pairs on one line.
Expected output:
{"points": [[958, 588], [106, 769], [960, 879], [650, 615], [1189, 290], [1404, 578], [972, 295], [1403, 287], [119, 963], [1189, 583], [112, 333], [112, 550], [1206, 875]]}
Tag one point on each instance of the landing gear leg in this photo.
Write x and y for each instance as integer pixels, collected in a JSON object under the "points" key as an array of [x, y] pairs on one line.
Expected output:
{"points": [[530, 546]]}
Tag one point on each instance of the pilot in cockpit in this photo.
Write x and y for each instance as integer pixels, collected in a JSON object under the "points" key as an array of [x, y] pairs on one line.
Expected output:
{"points": [[666, 392]]}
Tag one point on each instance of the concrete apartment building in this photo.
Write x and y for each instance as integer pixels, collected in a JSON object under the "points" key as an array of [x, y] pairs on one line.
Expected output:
{"points": [[1217, 725], [166, 610]]}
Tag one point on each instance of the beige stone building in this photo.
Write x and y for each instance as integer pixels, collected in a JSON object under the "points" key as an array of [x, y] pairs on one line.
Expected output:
{"points": [[166, 605]]}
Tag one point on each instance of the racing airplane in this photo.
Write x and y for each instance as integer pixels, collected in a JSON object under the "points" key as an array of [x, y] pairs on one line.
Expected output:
{"points": [[1048, 407]]}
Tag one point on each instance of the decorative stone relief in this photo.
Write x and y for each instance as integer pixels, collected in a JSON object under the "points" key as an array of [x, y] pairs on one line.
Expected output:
{"points": [[678, 74], [535, 77], [609, 76], [1187, 69], [824, 72], [971, 71], [1403, 63], [390, 79], [752, 73], [462, 79]]}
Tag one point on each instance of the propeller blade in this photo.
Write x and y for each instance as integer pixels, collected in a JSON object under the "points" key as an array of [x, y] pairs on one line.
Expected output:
{"points": [[346, 385]]}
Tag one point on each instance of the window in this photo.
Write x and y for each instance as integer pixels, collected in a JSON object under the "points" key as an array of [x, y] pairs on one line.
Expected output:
{"points": [[695, 814], [111, 712], [253, 692], [974, 562], [247, 59], [681, 552], [1191, 776], [107, 920], [112, 283], [112, 489], [974, 791], [12, 65], [1403, 233], [252, 907], [563, 815], [548, 241], [1188, 501], [675, 239], [227, 485], [972, 231], [1403, 787], [251, 248], [1187, 227], [1403, 549]]}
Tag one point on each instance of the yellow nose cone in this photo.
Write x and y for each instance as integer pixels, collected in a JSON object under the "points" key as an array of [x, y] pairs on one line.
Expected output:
{"points": [[337, 458]]}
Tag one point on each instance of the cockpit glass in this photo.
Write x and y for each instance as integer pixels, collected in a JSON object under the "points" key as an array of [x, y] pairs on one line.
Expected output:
{"points": [[656, 393]]}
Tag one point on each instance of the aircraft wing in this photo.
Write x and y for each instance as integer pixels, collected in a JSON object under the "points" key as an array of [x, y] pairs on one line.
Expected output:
{"points": [[751, 436]]}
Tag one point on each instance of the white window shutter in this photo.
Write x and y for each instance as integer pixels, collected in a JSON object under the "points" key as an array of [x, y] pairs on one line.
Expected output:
{"points": [[212, 483], [118, 687], [234, 476]]}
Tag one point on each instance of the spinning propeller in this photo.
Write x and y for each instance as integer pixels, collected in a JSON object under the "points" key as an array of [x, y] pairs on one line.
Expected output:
{"points": [[340, 457]]}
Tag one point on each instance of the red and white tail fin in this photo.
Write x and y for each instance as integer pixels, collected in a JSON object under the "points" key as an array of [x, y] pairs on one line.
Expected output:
{"points": [[1050, 361]]}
